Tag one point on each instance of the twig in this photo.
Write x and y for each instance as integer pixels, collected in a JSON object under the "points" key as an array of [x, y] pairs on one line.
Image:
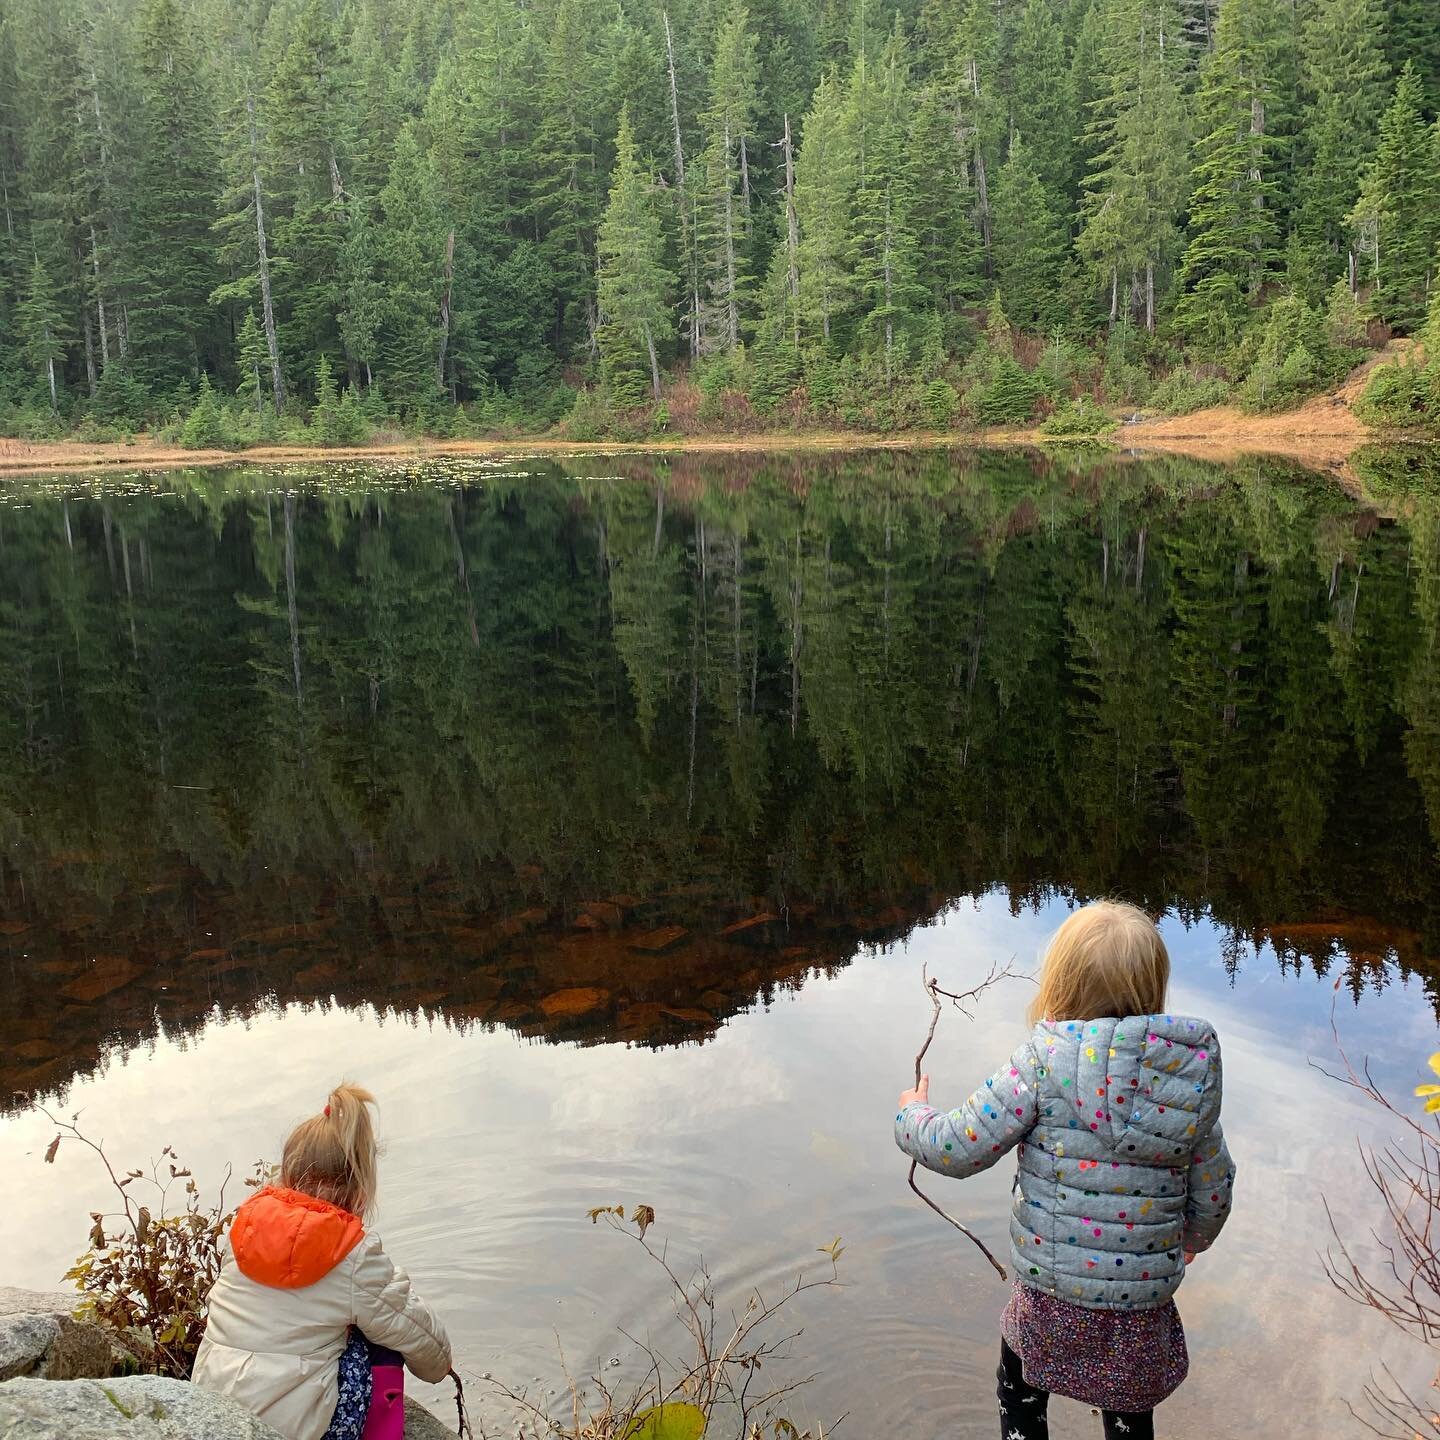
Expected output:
{"points": [[463, 1427], [960, 1001]]}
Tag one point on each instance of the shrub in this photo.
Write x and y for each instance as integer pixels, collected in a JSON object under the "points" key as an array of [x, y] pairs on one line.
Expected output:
{"points": [[336, 419], [1002, 391], [1078, 419], [120, 398], [1347, 321], [1401, 395], [589, 417], [938, 403], [206, 427], [147, 1279], [1294, 360], [1183, 391]]}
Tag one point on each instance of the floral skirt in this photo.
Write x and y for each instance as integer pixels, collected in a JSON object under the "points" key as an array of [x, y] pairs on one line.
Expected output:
{"points": [[1126, 1360], [348, 1422]]}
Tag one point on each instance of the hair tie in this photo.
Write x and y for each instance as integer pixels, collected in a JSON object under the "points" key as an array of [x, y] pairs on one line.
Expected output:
{"points": [[327, 1112]]}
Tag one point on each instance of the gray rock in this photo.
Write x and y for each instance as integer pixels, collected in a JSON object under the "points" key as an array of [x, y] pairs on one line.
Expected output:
{"points": [[133, 1407], [25, 1341], [14, 1301], [420, 1424], [38, 1337]]}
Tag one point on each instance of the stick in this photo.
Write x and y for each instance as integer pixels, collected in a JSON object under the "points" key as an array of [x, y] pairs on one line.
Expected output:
{"points": [[965, 997], [462, 1418]]}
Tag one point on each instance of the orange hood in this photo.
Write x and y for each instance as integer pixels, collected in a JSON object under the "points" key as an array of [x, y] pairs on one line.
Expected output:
{"points": [[289, 1239]]}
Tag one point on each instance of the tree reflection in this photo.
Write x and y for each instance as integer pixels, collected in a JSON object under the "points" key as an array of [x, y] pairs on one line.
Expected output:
{"points": [[609, 757]]}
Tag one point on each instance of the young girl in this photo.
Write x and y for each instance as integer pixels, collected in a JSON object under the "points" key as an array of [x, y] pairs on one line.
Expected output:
{"points": [[1123, 1177], [306, 1286]]}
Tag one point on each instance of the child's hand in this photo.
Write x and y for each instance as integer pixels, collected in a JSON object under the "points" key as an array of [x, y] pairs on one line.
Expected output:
{"points": [[919, 1095], [1190, 1256]]}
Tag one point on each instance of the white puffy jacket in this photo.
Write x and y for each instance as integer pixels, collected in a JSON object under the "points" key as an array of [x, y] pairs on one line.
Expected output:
{"points": [[299, 1274]]}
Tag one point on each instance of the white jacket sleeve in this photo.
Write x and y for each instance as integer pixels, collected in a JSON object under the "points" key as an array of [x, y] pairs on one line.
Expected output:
{"points": [[390, 1313]]}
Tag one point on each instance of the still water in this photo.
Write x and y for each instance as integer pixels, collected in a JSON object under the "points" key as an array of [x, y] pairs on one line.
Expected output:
{"points": [[601, 816]]}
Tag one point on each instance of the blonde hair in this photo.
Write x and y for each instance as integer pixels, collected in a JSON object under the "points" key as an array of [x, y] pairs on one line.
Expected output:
{"points": [[332, 1156], [1106, 959]]}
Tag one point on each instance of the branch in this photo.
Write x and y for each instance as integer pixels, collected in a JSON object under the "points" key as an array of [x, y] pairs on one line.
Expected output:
{"points": [[959, 1001]]}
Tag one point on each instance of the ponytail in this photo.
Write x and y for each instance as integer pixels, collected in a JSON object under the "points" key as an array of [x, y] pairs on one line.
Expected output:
{"points": [[332, 1155]]}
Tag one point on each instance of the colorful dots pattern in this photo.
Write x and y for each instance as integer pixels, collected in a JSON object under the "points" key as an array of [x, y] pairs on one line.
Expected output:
{"points": [[1100, 1113]]}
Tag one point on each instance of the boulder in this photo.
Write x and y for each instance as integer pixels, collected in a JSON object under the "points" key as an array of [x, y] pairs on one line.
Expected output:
{"points": [[39, 1337], [132, 1407], [420, 1424]]}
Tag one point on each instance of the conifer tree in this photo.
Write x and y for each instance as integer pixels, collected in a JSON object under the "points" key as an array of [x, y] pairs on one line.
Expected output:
{"points": [[1345, 92], [886, 255], [1029, 241], [1235, 225], [824, 177], [725, 222], [634, 315], [253, 362], [42, 329], [174, 198], [1397, 217], [1138, 141], [412, 259], [1041, 102], [1413, 38]]}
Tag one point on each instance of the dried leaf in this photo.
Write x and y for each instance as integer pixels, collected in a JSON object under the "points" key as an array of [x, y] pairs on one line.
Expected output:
{"points": [[644, 1217], [142, 1225], [834, 1249], [50, 1150], [97, 1233]]}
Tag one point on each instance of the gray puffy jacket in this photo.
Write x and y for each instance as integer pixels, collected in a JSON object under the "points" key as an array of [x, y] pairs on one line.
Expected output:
{"points": [[1122, 1164]]}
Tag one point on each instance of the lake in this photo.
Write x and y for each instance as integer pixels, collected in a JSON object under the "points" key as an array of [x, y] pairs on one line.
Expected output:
{"points": [[600, 814]]}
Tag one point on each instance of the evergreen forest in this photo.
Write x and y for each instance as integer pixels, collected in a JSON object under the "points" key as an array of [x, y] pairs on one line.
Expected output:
{"points": [[239, 220]]}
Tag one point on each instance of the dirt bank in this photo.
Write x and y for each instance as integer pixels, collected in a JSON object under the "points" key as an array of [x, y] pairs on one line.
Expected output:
{"points": [[1323, 433]]}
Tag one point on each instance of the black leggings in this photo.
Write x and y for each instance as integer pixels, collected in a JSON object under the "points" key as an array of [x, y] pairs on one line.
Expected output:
{"points": [[1023, 1407]]}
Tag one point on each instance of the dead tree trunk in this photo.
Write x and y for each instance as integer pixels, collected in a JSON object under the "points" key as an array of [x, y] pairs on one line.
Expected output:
{"points": [[262, 253], [792, 234], [674, 102], [732, 304], [445, 310]]}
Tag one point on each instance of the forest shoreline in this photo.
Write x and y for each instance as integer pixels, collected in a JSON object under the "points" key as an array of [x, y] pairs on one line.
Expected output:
{"points": [[1322, 434]]}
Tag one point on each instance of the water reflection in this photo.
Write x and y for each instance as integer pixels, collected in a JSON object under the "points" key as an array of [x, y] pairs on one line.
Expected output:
{"points": [[348, 772], [609, 757]]}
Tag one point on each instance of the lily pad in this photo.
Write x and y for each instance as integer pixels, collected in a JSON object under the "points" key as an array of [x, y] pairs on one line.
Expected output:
{"points": [[674, 1421]]}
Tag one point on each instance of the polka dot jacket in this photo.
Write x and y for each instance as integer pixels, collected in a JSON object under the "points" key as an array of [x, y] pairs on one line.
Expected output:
{"points": [[1123, 1167]]}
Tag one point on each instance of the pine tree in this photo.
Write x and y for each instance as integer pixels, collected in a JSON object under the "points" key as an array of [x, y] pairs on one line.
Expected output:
{"points": [[1234, 221], [1345, 77], [362, 299], [412, 259], [173, 204], [1397, 217], [886, 255], [569, 191], [1029, 241], [824, 177], [253, 362], [1138, 140], [950, 260], [724, 229], [634, 315], [1040, 100], [1414, 38], [307, 135], [42, 330]]}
